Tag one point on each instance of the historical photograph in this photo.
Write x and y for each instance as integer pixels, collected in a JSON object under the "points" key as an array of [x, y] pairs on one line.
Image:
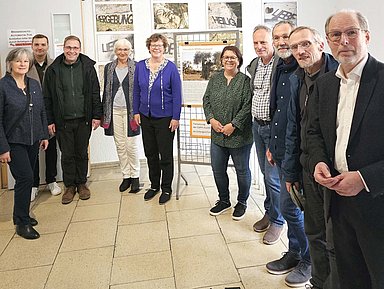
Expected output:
{"points": [[170, 16], [277, 11], [114, 17], [105, 43], [222, 15]]}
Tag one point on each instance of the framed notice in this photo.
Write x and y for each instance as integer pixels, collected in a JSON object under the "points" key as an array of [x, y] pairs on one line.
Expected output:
{"points": [[199, 128]]}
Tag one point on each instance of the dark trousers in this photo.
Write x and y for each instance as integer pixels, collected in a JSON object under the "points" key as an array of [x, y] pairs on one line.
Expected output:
{"points": [[73, 140], [358, 227], [324, 274], [158, 149], [23, 158], [50, 164]]}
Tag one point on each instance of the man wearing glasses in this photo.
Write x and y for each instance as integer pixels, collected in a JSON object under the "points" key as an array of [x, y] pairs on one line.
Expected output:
{"points": [[307, 47], [72, 99], [345, 141]]}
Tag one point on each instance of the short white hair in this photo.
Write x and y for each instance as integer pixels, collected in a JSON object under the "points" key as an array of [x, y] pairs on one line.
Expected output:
{"points": [[122, 42]]}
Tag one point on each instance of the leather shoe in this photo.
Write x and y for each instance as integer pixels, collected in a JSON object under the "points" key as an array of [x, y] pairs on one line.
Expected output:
{"points": [[164, 197], [68, 195], [84, 192], [33, 221], [135, 186], [150, 194], [125, 184], [27, 232]]}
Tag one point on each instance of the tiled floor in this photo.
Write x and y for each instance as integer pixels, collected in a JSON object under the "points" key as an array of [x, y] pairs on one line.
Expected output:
{"points": [[119, 241]]}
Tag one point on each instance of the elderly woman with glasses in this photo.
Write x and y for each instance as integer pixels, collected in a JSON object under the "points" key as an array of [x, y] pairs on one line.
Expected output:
{"points": [[227, 107], [23, 129], [118, 113]]}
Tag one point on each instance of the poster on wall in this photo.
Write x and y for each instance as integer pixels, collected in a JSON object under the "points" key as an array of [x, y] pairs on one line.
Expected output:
{"points": [[170, 16], [224, 15], [114, 17], [105, 43], [278, 11], [20, 37]]}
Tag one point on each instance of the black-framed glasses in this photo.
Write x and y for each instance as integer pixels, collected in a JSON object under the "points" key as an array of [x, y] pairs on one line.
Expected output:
{"points": [[303, 44], [335, 36]]}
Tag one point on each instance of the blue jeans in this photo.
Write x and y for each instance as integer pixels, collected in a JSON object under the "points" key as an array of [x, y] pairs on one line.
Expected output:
{"points": [[295, 220], [261, 135], [219, 161]]}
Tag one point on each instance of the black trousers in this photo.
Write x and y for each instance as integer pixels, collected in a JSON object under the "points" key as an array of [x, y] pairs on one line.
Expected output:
{"points": [[73, 140], [50, 164], [320, 240], [358, 227], [158, 149], [23, 158]]}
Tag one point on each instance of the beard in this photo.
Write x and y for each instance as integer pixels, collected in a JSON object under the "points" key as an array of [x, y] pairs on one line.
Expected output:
{"points": [[285, 54]]}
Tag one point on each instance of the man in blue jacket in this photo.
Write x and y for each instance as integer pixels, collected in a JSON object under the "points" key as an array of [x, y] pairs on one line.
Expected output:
{"points": [[307, 47]]}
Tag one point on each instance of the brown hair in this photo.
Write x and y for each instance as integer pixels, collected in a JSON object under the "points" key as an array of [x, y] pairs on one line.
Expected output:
{"points": [[72, 37], [15, 54], [39, 36], [235, 50], [156, 37]]}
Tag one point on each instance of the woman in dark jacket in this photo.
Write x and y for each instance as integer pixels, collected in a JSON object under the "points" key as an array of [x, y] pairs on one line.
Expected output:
{"points": [[23, 128], [118, 117]]}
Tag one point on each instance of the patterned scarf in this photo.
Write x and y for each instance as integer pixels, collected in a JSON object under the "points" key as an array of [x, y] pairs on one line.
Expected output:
{"points": [[107, 104]]}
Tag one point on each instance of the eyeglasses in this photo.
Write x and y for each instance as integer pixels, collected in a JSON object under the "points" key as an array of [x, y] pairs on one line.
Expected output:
{"points": [[335, 36], [123, 49], [74, 48], [229, 58], [276, 38], [156, 45], [303, 44]]}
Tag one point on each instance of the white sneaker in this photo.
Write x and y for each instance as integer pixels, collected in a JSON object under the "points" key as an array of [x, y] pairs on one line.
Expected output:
{"points": [[54, 188], [34, 193]]}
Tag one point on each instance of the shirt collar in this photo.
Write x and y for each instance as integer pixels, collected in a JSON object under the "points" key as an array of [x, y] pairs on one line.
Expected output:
{"points": [[355, 73]]}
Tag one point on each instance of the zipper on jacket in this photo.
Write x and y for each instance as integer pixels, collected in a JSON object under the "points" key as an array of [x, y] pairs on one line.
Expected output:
{"points": [[30, 110]]}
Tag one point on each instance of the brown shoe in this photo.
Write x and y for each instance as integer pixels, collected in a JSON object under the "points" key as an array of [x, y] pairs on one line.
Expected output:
{"points": [[84, 192], [68, 195], [272, 236], [261, 225]]}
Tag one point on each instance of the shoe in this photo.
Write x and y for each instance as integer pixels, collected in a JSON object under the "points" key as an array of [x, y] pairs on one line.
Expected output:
{"points": [[84, 192], [299, 276], [285, 264], [27, 232], [150, 194], [125, 184], [33, 221], [34, 193], [68, 195], [239, 212], [220, 207], [261, 225], [54, 188], [135, 187], [164, 197], [272, 236]]}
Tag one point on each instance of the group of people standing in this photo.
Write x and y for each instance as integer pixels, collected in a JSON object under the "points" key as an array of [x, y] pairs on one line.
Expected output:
{"points": [[42, 99], [316, 127]]}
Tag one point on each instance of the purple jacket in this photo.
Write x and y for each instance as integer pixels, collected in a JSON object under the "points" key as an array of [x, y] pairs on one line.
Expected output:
{"points": [[164, 100]]}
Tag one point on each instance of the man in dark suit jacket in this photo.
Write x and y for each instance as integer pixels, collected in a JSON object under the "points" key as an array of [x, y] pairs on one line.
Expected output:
{"points": [[346, 141]]}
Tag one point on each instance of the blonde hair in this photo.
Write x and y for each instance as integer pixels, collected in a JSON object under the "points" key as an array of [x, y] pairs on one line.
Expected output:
{"points": [[16, 54]]}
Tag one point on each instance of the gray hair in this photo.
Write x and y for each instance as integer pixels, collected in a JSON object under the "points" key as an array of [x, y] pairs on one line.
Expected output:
{"points": [[261, 27], [363, 21], [122, 42], [283, 22], [316, 35], [16, 54]]}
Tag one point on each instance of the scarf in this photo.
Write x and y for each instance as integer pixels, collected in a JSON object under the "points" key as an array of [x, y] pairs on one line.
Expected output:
{"points": [[107, 103]]}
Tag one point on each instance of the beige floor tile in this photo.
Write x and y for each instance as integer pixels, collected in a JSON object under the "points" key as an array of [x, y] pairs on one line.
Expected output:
{"points": [[188, 202], [89, 235], [225, 286], [86, 269], [6, 202], [196, 262], [167, 283], [207, 181], [204, 170], [103, 173], [212, 194], [6, 222], [186, 168], [31, 278], [5, 238], [255, 253], [259, 278], [191, 223], [191, 190], [45, 197], [141, 239], [135, 210], [141, 268], [21, 253], [192, 178], [103, 192], [53, 217], [96, 212]]}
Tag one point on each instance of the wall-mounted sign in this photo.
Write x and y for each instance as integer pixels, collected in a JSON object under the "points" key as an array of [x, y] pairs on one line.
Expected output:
{"points": [[20, 37]]}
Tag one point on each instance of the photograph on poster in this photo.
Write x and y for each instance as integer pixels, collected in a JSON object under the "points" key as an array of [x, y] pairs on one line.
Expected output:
{"points": [[169, 52], [224, 15], [277, 11], [100, 71], [105, 43], [114, 17], [170, 16]]}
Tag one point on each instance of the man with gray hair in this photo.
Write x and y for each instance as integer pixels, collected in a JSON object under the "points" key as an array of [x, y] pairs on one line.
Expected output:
{"points": [[345, 141], [307, 47]]}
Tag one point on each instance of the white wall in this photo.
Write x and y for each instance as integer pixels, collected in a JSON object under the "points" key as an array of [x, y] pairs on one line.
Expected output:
{"points": [[36, 14]]}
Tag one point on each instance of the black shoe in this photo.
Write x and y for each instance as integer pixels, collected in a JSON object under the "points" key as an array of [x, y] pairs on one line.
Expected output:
{"points": [[239, 212], [27, 232], [125, 184], [150, 194], [285, 264], [33, 221], [135, 186], [220, 207], [164, 197]]}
